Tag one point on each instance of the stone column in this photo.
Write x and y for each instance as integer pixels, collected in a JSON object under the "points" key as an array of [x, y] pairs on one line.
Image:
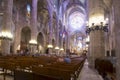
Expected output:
{"points": [[57, 34], [107, 46], [17, 35], [50, 33], [67, 44], [116, 5], [33, 41], [7, 24], [57, 37], [91, 50], [61, 42], [96, 16], [99, 44], [68, 41]]}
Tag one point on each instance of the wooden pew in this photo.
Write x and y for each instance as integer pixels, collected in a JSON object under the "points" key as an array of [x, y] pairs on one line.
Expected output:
{"points": [[53, 72], [43, 66], [105, 67]]}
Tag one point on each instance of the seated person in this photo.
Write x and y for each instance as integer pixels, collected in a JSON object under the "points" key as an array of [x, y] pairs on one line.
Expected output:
{"points": [[67, 60], [60, 59]]}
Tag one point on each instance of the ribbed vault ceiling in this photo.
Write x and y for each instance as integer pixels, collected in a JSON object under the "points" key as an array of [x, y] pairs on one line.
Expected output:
{"points": [[76, 19]]}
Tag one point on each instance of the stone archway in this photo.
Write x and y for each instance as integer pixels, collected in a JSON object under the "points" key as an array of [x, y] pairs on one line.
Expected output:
{"points": [[25, 38], [40, 40]]}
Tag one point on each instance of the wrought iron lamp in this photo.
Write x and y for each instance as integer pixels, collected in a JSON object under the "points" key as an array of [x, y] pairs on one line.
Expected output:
{"points": [[94, 27]]}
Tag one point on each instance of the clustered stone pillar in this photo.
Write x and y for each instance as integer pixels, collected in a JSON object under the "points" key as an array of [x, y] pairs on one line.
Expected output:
{"points": [[57, 37], [68, 44], [107, 46], [17, 38], [97, 39], [97, 46], [33, 43], [61, 46], [7, 24], [116, 5], [91, 50], [50, 34]]}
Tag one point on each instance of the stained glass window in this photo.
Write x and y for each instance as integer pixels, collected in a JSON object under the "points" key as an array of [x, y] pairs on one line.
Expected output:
{"points": [[76, 20], [28, 10]]}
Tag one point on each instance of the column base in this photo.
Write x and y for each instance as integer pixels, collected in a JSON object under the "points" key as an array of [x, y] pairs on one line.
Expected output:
{"points": [[118, 71], [91, 62], [50, 51], [33, 49], [5, 47]]}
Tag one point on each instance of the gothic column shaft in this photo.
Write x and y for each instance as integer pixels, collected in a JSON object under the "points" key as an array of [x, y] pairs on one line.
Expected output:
{"points": [[99, 46], [107, 46], [8, 5], [34, 26], [57, 37], [50, 29], [17, 38], [91, 49], [116, 5], [7, 24], [62, 26], [50, 32], [62, 38], [34, 20], [68, 42]]}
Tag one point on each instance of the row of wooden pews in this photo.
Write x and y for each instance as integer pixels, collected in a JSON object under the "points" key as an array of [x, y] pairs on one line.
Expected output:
{"points": [[105, 68], [42, 67]]}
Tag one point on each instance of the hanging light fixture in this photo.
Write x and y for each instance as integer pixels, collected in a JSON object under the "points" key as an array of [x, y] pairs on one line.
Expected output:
{"points": [[50, 46], [33, 42], [56, 47], [5, 35], [61, 49], [97, 23]]}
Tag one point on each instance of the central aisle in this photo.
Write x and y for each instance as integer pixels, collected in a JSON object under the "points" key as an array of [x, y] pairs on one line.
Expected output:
{"points": [[88, 74]]}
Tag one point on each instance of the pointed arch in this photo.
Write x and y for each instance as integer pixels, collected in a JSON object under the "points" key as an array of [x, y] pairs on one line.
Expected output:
{"points": [[41, 40], [25, 38]]}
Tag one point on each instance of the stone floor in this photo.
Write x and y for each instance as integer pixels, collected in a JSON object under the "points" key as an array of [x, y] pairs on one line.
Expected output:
{"points": [[88, 74], [85, 74], [6, 78]]}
